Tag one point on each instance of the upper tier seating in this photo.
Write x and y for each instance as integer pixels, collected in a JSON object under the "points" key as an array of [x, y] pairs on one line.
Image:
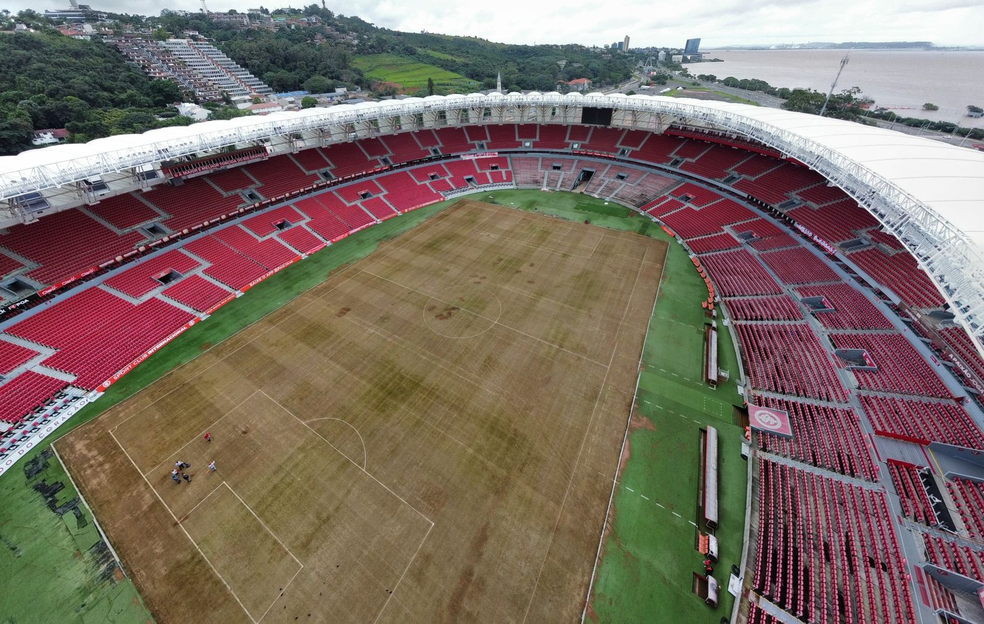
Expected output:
{"points": [[835, 223], [922, 422], [960, 342], [349, 159], [715, 162], [852, 309], [192, 203], [65, 244], [232, 180], [789, 359], [820, 194], [952, 556], [279, 175], [453, 141], [311, 160], [798, 266], [776, 186], [124, 211], [404, 147], [900, 273], [900, 367]]}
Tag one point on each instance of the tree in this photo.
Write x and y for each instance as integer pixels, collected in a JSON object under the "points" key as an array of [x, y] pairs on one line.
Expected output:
{"points": [[974, 109], [309, 102], [430, 86], [929, 106], [318, 84]]}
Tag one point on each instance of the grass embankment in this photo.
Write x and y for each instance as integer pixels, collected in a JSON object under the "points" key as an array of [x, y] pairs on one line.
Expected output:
{"points": [[706, 93], [54, 567], [645, 574], [412, 75]]}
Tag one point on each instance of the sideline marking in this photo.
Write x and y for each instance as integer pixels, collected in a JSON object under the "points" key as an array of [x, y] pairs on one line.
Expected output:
{"points": [[584, 440]]}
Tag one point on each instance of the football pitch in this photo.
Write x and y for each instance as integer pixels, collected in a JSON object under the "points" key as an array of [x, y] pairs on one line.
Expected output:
{"points": [[429, 435]]}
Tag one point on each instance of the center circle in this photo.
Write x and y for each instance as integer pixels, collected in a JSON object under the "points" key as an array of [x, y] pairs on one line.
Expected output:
{"points": [[463, 314]]}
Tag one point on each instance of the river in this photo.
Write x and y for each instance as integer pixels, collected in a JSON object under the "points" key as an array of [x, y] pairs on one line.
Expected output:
{"points": [[899, 80]]}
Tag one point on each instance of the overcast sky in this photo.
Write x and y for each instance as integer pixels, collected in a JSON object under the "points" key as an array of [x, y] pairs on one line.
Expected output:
{"points": [[595, 22]]}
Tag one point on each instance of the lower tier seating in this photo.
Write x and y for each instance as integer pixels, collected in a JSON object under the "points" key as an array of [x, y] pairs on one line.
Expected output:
{"points": [[968, 496], [827, 551], [822, 436], [26, 392], [779, 308], [738, 274], [907, 479], [952, 556], [789, 359], [197, 293]]}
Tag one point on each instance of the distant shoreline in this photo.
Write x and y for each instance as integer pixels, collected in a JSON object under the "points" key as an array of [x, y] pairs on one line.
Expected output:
{"points": [[903, 49]]}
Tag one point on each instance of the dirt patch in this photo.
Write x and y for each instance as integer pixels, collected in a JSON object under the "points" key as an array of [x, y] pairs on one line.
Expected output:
{"points": [[342, 312], [447, 313], [639, 421]]}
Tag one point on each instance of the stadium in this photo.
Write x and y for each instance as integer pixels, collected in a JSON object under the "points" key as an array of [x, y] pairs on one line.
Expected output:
{"points": [[522, 357]]}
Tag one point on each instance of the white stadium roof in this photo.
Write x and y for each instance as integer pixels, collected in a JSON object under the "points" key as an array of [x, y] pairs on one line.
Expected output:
{"points": [[928, 193]]}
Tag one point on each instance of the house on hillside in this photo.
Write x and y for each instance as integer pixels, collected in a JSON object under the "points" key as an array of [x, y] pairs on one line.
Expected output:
{"points": [[579, 84], [49, 136]]}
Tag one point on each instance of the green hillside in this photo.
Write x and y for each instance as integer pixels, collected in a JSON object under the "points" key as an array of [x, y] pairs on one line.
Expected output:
{"points": [[412, 75]]}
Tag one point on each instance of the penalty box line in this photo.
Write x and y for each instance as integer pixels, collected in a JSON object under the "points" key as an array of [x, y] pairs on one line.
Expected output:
{"points": [[202, 432], [185, 531]]}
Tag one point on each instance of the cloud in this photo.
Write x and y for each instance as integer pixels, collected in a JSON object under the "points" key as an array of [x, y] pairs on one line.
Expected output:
{"points": [[717, 22]]}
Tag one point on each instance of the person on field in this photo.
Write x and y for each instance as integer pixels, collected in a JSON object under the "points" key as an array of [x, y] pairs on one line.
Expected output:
{"points": [[180, 465], [174, 475], [211, 467], [186, 477], [208, 437]]}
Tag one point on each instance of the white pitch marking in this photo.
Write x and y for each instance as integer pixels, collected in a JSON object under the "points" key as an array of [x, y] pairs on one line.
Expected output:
{"points": [[692, 523], [184, 530], [661, 506], [677, 515], [644, 496], [630, 489]]}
